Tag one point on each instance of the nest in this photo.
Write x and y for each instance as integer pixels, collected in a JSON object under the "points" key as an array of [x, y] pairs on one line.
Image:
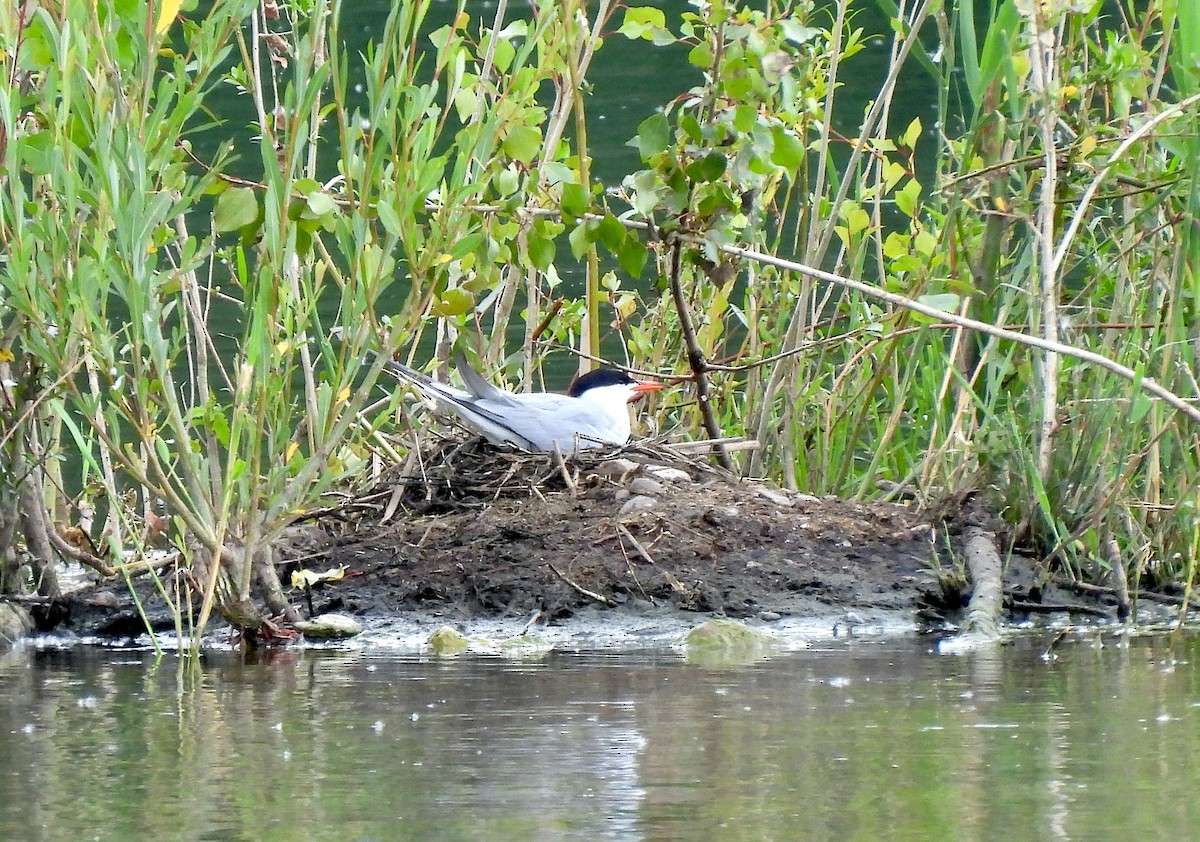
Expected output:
{"points": [[456, 474]]}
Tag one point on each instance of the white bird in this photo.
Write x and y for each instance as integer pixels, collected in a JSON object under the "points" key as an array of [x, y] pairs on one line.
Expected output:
{"points": [[594, 411]]}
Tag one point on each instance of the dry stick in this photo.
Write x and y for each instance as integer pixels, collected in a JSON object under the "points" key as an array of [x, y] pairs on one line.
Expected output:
{"points": [[1118, 577], [987, 598], [69, 550], [1078, 216], [696, 358], [41, 398], [566, 473], [1044, 77], [1057, 608], [603, 600], [1147, 384], [730, 444], [675, 584], [633, 573], [530, 623]]}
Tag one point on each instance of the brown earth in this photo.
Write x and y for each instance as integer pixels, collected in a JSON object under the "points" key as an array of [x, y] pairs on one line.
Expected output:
{"points": [[478, 532], [515, 536]]}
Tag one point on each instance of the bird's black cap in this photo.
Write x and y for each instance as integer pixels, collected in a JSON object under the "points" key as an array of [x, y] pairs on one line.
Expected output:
{"points": [[597, 378]]}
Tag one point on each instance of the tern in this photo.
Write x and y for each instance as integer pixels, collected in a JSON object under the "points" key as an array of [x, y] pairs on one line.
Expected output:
{"points": [[594, 411]]}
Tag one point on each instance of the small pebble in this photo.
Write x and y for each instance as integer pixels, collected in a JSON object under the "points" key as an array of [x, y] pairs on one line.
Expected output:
{"points": [[665, 474], [103, 599], [777, 497], [638, 503], [330, 627], [646, 486], [617, 468], [769, 616]]}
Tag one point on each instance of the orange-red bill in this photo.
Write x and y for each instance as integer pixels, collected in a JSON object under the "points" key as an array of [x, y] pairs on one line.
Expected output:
{"points": [[641, 387]]}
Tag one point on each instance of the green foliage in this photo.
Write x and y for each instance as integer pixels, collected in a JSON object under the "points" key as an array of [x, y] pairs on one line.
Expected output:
{"points": [[211, 381], [448, 202]]}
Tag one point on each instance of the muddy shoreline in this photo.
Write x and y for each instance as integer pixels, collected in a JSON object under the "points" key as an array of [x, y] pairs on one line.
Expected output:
{"points": [[642, 538]]}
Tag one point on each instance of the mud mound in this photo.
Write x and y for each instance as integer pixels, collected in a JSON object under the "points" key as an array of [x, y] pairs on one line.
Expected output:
{"points": [[478, 531]]}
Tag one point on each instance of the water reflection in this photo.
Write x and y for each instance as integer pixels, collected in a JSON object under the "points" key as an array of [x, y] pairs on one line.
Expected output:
{"points": [[862, 740]]}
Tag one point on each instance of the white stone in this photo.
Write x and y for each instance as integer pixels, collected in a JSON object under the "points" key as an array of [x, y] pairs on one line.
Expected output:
{"points": [[638, 503], [647, 486], [779, 498], [616, 468], [665, 474], [330, 627]]}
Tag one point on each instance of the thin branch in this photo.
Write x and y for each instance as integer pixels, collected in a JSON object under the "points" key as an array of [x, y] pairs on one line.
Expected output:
{"points": [[1146, 384], [696, 360]]}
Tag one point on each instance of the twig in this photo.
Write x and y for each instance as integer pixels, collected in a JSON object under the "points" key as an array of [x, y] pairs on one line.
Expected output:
{"points": [[144, 565], [566, 474], [1058, 608], [695, 353], [1103, 590], [70, 551], [530, 623], [1118, 577], [393, 502], [730, 444], [675, 584], [546, 322], [603, 600], [983, 562], [1145, 383]]}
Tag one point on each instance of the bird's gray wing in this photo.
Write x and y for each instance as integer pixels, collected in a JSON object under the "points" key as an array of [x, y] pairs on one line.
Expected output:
{"points": [[546, 420], [426, 384], [477, 384], [484, 415]]}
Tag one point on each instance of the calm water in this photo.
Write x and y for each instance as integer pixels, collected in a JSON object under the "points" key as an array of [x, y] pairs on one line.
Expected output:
{"points": [[862, 740]]}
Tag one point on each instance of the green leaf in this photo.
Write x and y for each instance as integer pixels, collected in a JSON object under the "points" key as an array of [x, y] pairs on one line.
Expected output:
{"points": [[236, 208], [946, 301], [925, 243], [581, 240], [893, 171], [788, 152], [523, 143], [701, 56], [709, 168], [997, 56], [745, 117], [653, 136], [895, 245], [541, 251], [575, 201], [907, 196], [389, 217], [611, 233], [632, 257], [913, 133], [453, 302], [647, 189], [856, 218], [691, 127], [466, 245], [320, 203], [795, 32], [1140, 405], [507, 181], [641, 21]]}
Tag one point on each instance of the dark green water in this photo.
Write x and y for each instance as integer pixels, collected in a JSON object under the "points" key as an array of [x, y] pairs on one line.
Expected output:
{"points": [[864, 740]]}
